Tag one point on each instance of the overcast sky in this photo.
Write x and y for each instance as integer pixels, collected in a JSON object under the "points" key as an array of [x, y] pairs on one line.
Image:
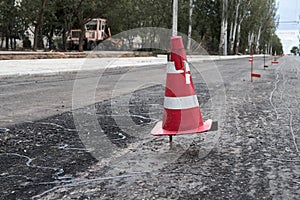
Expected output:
{"points": [[288, 29]]}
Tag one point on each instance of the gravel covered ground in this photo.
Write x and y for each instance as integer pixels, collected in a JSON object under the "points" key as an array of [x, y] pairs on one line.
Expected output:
{"points": [[253, 155]]}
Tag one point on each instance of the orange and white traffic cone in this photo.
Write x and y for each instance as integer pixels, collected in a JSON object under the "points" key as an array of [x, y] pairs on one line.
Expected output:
{"points": [[182, 113], [275, 62]]}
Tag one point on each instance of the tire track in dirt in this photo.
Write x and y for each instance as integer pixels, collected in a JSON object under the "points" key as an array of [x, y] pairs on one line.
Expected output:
{"points": [[285, 96]]}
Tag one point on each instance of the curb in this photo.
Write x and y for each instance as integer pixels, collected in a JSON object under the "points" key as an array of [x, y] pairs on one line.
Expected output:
{"points": [[139, 62]]}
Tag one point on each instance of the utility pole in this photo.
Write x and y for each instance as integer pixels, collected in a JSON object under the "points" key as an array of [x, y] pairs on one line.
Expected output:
{"points": [[174, 33], [175, 18], [190, 25]]}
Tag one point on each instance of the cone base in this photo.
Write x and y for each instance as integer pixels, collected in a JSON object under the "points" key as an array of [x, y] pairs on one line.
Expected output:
{"points": [[159, 131]]}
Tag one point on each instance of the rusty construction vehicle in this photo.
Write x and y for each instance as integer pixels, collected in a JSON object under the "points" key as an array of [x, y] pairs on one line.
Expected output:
{"points": [[96, 32]]}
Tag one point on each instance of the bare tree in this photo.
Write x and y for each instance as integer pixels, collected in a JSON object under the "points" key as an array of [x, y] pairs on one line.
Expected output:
{"points": [[38, 24], [224, 24], [234, 26], [190, 25], [244, 12]]}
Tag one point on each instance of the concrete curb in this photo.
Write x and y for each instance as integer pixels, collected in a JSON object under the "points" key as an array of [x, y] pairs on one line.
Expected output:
{"points": [[47, 67]]}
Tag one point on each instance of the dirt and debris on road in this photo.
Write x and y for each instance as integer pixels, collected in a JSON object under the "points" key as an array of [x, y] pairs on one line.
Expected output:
{"points": [[256, 155]]}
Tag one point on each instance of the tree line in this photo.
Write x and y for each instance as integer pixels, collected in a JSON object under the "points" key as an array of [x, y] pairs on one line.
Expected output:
{"points": [[220, 26]]}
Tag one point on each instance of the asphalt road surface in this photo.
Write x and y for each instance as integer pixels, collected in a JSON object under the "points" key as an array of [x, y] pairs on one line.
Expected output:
{"points": [[87, 135]]}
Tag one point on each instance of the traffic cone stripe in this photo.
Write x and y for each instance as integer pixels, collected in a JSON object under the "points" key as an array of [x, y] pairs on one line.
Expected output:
{"points": [[187, 66], [171, 69], [179, 103], [187, 79], [187, 73], [178, 83]]}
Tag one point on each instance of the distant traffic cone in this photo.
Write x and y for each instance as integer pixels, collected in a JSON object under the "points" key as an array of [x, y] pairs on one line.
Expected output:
{"points": [[182, 113], [275, 62], [251, 65]]}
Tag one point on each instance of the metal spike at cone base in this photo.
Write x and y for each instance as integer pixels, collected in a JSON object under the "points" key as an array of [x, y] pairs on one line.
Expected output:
{"points": [[182, 113]]}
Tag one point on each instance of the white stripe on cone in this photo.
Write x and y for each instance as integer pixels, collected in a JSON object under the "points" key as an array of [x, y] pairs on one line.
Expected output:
{"points": [[180, 103], [171, 69], [187, 76], [187, 79], [187, 66]]}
